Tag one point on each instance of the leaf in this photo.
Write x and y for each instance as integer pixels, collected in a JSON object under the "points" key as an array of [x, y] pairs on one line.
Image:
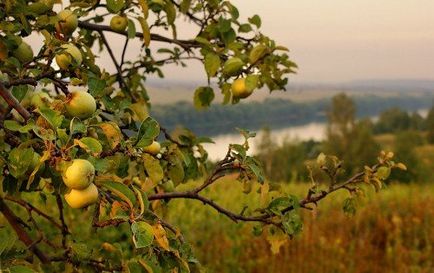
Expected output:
{"points": [[256, 20], [143, 234], [131, 29], [153, 168], [145, 9], [321, 159], [19, 161], [54, 118], [203, 96], [76, 126], [96, 86], [233, 66], [114, 6], [146, 31], [245, 28], [89, 144], [292, 223], [185, 6], [20, 269], [112, 132], [81, 251], [212, 64], [257, 53], [170, 10], [252, 82], [121, 190], [160, 236], [148, 131], [401, 166], [349, 206], [383, 173]]}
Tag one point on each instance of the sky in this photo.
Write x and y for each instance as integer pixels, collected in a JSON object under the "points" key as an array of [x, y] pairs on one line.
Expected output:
{"points": [[332, 41]]}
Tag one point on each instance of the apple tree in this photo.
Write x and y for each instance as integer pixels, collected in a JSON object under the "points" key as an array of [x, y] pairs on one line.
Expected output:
{"points": [[87, 172]]}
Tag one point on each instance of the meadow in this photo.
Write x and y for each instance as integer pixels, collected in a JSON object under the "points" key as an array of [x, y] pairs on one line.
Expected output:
{"points": [[392, 231]]}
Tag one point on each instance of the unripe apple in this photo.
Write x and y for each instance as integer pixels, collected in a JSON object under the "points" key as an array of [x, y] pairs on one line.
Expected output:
{"points": [[70, 56], [118, 23], [80, 104], [23, 53], [82, 198], [239, 89], [79, 175], [67, 23], [40, 99], [153, 149]]}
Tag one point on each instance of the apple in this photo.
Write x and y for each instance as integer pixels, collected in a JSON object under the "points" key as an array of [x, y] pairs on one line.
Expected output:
{"points": [[153, 149], [239, 89], [67, 23], [40, 99], [23, 53], [118, 23], [79, 175], [42, 6], [70, 56], [80, 104], [82, 198]]}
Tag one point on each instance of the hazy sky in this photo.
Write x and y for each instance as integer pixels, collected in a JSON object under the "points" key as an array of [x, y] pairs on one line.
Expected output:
{"points": [[334, 40]]}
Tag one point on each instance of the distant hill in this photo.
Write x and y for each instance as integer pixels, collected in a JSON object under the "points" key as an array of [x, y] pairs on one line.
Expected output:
{"points": [[168, 92]]}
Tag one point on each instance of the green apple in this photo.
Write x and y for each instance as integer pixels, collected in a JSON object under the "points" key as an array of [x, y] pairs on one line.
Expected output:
{"points": [[79, 175], [118, 23], [67, 23], [70, 56], [23, 53], [82, 198], [40, 99], [80, 104], [239, 89], [153, 149]]}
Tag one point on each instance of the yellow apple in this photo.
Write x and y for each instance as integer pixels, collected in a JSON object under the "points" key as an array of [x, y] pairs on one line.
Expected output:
{"points": [[118, 23], [23, 53], [239, 89], [70, 56], [82, 198], [80, 104], [153, 149], [67, 23], [79, 175]]}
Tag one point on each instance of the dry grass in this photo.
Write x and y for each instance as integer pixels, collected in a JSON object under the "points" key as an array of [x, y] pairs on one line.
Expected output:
{"points": [[391, 232]]}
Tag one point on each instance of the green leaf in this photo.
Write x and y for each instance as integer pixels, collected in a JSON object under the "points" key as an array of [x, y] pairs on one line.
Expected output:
{"points": [[349, 206], [292, 223], [53, 117], [143, 234], [280, 203], [257, 52], [170, 10], [90, 145], [96, 86], [131, 29], [185, 6], [212, 64], [383, 172], [19, 161], [20, 269], [203, 96], [12, 125], [76, 126], [256, 20], [121, 190], [245, 28], [114, 6], [252, 82], [153, 168], [148, 131], [81, 251], [19, 91], [233, 66]]}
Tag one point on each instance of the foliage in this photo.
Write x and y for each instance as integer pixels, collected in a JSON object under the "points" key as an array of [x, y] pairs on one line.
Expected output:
{"points": [[83, 111]]}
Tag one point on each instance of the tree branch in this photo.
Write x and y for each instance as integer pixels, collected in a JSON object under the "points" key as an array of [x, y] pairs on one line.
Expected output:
{"points": [[186, 44], [12, 101], [22, 235]]}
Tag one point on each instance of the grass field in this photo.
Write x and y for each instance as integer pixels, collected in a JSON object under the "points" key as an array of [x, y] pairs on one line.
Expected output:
{"points": [[391, 232]]}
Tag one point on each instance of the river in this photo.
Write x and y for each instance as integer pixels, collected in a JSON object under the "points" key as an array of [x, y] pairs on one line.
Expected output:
{"points": [[314, 131]]}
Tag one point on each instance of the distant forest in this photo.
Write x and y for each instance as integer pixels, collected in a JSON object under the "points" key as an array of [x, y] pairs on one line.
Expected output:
{"points": [[272, 113]]}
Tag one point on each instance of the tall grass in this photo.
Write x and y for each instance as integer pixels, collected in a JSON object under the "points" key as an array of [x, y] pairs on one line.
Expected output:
{"points": [[391, 232]]}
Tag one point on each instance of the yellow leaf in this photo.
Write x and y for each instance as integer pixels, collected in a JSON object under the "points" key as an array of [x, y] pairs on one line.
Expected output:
{"points": [[44, 158], [146, 31], [112, 132], [276, 241], [160, 236], [144, 5], [265, 188]]}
